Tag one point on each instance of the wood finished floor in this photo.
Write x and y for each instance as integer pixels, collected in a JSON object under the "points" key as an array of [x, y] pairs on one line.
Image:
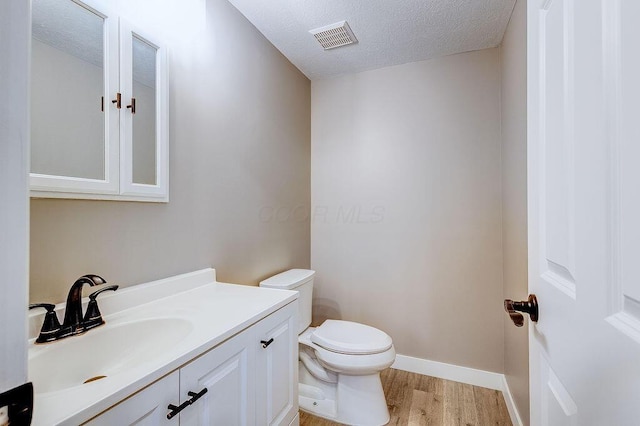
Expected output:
{"points": [[418, 400]]}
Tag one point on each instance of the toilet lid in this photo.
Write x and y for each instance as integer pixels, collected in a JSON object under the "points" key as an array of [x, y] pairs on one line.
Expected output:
{"points": [[350, 338]]}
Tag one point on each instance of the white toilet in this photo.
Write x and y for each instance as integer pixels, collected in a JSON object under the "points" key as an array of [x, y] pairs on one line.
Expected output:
{"points": [[339, 361]]}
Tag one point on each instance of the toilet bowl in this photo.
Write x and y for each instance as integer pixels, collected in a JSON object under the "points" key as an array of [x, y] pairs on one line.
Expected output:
{"points": [[339, 361]]}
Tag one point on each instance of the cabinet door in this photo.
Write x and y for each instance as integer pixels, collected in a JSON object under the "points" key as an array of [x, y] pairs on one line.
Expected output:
{"points": [[227, 374], [74, 78], [276, 343], [144, 123], [145, 408]]}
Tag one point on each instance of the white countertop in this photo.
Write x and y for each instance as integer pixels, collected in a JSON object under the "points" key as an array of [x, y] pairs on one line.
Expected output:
{"points": [[216, 310]]}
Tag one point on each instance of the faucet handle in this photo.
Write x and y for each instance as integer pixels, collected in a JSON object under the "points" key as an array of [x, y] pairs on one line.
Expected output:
{"points": [[48, 306], [93, 317], [50, 325], [95, 294]]}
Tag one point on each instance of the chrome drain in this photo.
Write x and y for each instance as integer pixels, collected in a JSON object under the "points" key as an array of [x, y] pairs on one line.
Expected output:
{"points": [[93, 379]]}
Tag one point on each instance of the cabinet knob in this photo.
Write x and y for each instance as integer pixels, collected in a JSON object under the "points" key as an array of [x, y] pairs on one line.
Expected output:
{"points": [[117, 100], [132, 106], [266, 343]]}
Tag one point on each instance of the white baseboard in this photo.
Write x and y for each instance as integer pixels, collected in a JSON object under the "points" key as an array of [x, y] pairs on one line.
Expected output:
{"points": [[511, 405], [471, 376], [456, 373]]}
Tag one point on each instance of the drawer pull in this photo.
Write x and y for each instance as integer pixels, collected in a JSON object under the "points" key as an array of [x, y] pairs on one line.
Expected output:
{"points": [[175, 409], [196, 396], [266, 343]]}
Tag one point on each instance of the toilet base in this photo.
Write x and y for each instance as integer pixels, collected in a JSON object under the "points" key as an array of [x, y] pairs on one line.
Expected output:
{"points": [[354, 400]]}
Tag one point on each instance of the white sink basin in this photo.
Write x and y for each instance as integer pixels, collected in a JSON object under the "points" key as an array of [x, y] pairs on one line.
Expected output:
{"points": [[105, 351]]}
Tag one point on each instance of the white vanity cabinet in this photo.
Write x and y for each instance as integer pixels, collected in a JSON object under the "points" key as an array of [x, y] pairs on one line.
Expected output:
{"points": [[249, 380]]}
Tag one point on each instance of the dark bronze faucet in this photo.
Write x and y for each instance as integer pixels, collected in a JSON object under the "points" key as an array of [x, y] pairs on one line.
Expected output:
{"points": [[73, 318], [74, 321]]}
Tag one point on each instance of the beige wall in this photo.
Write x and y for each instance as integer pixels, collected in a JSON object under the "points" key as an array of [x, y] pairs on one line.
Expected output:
{"points": [[514, 200], [240, 141], [406, 230]]}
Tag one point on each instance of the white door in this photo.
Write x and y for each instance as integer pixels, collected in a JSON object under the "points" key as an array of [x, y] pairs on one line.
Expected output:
{"points": [[15, 35], [584, 211]]}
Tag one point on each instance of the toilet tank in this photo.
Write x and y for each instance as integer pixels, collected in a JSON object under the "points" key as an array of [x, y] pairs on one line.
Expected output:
{"points": [[300, 280]]}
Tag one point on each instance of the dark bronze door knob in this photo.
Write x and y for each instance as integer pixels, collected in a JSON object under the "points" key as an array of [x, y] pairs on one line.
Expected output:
{"points": [[530, 306]]}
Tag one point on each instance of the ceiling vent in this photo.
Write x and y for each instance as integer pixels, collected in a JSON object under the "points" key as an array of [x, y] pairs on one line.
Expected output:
{"points": [[334, 35]]}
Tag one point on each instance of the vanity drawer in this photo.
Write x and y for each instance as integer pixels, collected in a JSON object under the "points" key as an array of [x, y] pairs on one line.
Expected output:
{"points": [[146, 407]]}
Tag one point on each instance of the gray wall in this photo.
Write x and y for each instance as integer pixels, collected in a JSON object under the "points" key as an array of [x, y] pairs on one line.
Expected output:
{"points": [[240, 142], [514, 200], [406, 226]]}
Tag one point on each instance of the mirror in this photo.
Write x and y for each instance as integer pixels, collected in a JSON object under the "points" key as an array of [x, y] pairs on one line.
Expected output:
{"points": [[143, 105], [67, 89]]}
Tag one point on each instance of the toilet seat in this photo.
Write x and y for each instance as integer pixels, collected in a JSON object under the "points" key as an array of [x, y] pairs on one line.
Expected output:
{"points": [[343, 363], [352, 338], [355, 364]]}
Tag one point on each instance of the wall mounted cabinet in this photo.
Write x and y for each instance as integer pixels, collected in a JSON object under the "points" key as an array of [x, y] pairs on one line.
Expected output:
{"points": [[99, 105]]}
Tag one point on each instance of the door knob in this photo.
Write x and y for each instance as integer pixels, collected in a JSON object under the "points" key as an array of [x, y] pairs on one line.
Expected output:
{"points": [[530, 306]]}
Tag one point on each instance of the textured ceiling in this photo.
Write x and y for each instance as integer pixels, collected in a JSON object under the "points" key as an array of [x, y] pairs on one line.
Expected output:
{"points": [[390, 32]]}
